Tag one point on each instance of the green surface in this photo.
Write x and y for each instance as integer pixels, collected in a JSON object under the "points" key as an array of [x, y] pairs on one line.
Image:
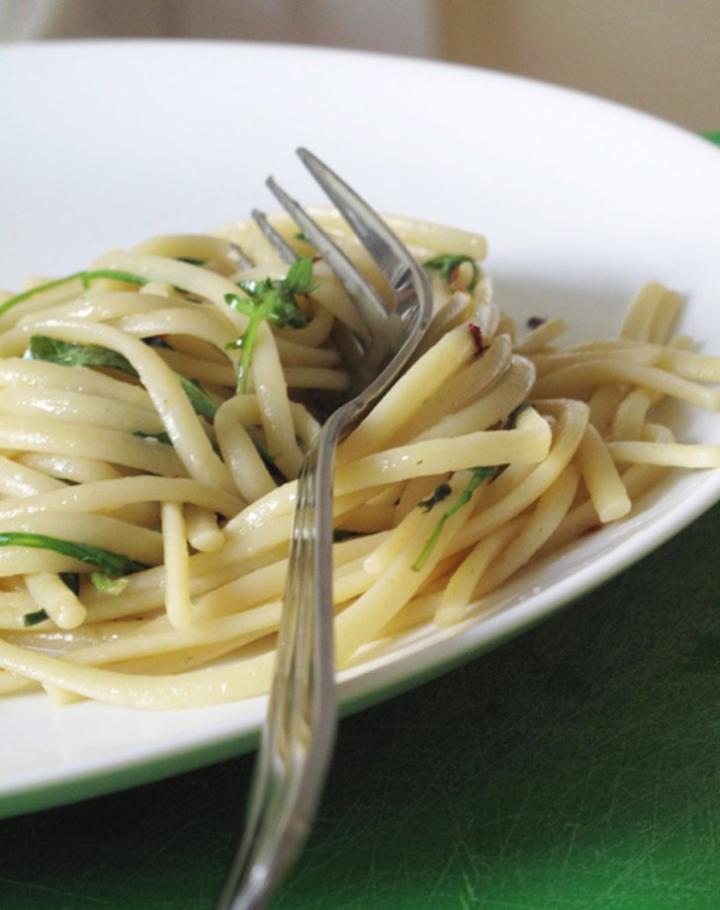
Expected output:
{"points": [[575, 767]]}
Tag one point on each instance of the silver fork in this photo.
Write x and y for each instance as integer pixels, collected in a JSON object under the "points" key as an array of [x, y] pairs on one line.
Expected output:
{"points": [[299, 732]]}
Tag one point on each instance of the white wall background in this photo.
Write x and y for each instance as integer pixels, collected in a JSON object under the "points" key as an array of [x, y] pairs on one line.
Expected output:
{"points": [[395, 26], [659, 55]]}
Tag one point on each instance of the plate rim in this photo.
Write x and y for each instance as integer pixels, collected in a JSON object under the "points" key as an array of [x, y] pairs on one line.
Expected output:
{"points": [[115, 773], [118, 43]]}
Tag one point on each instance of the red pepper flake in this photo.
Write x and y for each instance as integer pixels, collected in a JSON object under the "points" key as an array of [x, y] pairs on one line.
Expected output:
{"points": [[591, 530], [477, 337], [316, 259]]}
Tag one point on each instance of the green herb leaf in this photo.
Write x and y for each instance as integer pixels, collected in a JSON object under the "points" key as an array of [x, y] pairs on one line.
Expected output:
{"points": [[248, 347], [72, 580], [446, 263], [478, 476], [191, 261], [199, 398], [84, 277], [299, 277], [156, 341], [270, 300], [32, 619], [162, 438], [340, 534], [108, 585], [38, 289], [90, 355], [88, 277], [108, 562], [514, 416], [67, 354], [441, 492]]}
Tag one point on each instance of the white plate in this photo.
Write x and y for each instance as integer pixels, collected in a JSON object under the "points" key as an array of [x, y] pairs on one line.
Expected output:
{"points": [[105, 144]]}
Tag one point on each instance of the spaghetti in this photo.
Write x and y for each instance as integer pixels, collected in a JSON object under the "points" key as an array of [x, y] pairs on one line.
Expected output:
{"points": [[154, 411]]}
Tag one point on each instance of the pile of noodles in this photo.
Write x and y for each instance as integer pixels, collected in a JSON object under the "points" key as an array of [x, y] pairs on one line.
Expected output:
{"points": [[496, 447]]}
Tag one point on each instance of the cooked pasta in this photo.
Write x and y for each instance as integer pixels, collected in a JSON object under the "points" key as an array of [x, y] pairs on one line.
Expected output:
{"points": [[154, 412]]}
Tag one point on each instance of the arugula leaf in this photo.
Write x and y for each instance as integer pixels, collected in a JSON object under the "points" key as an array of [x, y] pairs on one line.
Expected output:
{"points": [[32, 619], [72, 580], [534, 322], [90, 355], [85, 279], [156, 341], [108, 585], [162, 438], [512, 418], [199, 398], [68, 354], [441, 492], [247, 346], [88, 277], [108, 562], [478, 476], [270, 300], [299, 277], [38, 289], [446, 263], [340, 534]]}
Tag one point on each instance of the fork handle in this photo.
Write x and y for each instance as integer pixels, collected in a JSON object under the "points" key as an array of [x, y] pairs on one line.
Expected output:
{"points": [[299, 733]]}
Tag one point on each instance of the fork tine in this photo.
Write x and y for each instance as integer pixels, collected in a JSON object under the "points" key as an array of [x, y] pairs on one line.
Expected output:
{"points": [[238, 254], [373, 309], [274, 237], [381, 243]]}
